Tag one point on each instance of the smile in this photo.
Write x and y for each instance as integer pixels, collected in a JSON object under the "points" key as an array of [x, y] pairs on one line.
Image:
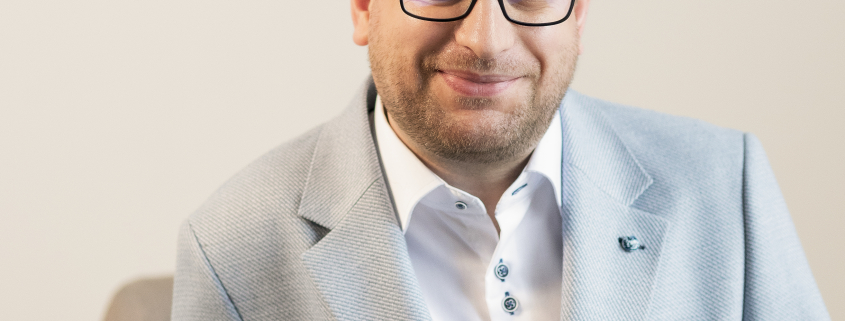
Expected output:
{"points": [[477, 85]]}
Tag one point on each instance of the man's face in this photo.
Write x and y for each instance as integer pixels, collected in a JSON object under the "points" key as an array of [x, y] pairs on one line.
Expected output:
{"points": [[477, 90]]}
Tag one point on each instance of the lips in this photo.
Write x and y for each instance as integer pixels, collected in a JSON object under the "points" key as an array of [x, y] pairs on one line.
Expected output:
{"points": [[477, 85]]}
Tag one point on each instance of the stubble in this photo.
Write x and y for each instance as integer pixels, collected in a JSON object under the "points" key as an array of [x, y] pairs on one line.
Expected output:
{"points": [[405, 89]]}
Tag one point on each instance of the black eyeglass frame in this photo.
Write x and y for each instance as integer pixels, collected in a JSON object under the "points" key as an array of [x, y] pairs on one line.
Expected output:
{"points": [[504, 12]]}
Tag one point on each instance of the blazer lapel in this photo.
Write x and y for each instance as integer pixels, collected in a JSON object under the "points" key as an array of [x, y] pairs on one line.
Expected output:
{"points": [[601, 179], [361, 267]]}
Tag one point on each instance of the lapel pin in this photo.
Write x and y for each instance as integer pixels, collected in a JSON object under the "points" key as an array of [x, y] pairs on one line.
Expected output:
{"points": [[630, 243]]}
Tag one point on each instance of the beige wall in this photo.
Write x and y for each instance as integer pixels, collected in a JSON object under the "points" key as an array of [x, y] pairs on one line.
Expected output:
{"points": [[118, 118]]}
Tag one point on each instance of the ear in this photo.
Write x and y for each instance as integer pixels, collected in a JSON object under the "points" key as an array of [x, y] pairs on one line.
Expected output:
{"points": [[580, 11], [360, 21]]}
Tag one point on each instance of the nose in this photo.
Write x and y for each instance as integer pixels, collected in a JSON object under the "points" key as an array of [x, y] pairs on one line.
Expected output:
{"points": [[485, 30]]}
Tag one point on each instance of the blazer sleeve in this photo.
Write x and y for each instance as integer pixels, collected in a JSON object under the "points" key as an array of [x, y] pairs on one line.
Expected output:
{"points": [[778, 282], [198, 293]]}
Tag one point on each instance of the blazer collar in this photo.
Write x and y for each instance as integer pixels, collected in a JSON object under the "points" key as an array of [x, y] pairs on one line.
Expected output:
{"points": [[344, 164], [592, 146]]}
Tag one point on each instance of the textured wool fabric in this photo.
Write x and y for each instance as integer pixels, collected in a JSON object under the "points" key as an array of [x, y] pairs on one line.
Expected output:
{"points": [[309, 231]]}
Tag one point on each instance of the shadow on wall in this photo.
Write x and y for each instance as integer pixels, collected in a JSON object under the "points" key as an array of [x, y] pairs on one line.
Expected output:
{"points": [[142, 300]]}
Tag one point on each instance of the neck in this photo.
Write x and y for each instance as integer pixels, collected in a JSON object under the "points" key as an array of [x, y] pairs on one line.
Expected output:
{"points": [[487, 181]]}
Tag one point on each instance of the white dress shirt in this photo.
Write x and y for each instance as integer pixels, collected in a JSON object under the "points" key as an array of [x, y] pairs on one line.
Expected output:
{"points": [[453, 244]]}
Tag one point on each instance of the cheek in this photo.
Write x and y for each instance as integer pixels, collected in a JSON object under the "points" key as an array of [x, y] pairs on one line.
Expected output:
{"points": [[553, 46], [420, 41], [409, 39]]}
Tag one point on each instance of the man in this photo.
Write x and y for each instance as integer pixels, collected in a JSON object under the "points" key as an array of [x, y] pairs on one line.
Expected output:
{"points": [[467, 183]]}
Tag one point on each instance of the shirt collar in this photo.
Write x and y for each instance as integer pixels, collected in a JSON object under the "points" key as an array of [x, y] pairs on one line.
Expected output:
{"points": [[547, 157], [410, 180]]}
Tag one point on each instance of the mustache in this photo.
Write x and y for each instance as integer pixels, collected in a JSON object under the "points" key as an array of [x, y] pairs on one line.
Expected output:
{"points": [[466, 60]]}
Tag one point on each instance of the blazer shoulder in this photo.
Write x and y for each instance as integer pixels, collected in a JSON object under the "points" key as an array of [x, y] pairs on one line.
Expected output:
{"points": [[649, 133], [683, 156]]}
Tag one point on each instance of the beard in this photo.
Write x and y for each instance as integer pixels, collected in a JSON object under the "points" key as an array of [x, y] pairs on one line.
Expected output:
{"points": [[499, 130]]}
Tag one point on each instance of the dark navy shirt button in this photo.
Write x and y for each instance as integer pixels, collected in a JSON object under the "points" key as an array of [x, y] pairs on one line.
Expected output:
{"points": [[501, 271], [630, 243], [460, 205], [509, 303]]}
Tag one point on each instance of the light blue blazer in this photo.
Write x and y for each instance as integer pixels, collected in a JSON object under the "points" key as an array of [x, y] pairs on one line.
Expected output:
{"points": [[309, 232]]}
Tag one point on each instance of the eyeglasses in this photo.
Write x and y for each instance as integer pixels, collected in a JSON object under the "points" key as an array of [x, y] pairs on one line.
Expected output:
{"points": [[533, 13]]}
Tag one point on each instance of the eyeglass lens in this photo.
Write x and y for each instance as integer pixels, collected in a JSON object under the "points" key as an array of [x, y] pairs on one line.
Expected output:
{"points": [[525, 11]]}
